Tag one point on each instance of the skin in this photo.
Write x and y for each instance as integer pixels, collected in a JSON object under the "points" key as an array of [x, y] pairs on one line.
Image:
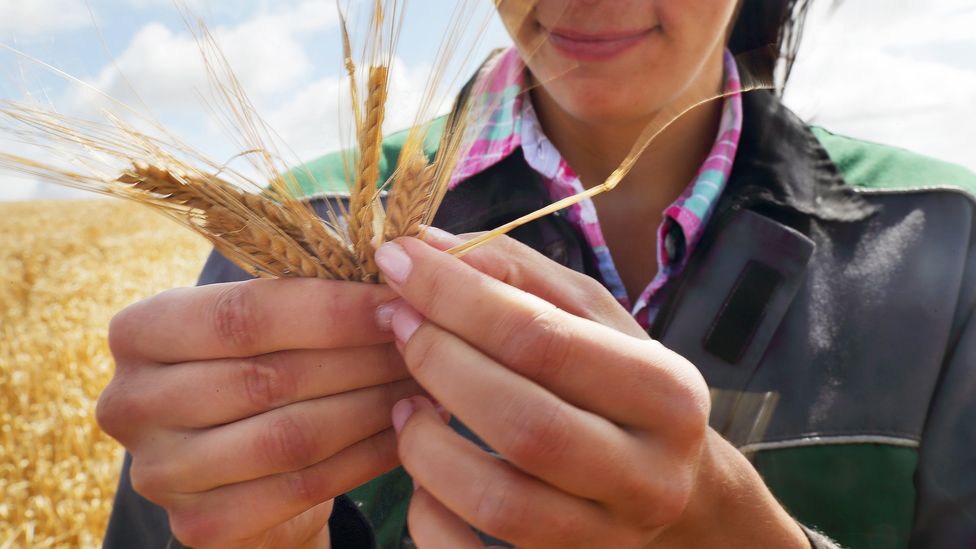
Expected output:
{"points": [[248, 406], [243, 418], [632, 464], [594, 111]]}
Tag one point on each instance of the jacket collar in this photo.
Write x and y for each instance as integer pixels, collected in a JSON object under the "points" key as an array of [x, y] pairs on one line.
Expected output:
{"points": [[781, 163]]}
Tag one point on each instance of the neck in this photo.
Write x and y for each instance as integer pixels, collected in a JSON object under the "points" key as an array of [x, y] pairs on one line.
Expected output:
{"points": [[595, 149]]}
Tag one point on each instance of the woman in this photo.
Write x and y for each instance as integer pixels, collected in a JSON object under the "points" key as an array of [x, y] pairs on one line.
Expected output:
{"points": [[249, 408]]}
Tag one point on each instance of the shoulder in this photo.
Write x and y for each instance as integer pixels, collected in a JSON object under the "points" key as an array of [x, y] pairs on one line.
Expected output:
{"points": [[330, 173], [874, 166]]}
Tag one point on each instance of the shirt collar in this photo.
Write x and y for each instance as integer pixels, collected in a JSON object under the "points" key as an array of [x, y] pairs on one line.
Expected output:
{"points": [[495, 103]]}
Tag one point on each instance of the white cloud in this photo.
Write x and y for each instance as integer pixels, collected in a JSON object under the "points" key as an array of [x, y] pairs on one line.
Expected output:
{"points": [[907, 79], [165, 68], [317, 119], [37, 17]]}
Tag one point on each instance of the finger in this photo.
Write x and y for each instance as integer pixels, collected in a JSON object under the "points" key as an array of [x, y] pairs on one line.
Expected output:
{"points": [[488, 493], [642, 383], [433, 526], [241, 511], [240, 319], [234, 389], [283, 440], [518, 265], [577, 451]]}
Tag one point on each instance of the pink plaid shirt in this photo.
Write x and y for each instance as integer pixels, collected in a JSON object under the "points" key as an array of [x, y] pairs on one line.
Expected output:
{"points": [[511, 123]]}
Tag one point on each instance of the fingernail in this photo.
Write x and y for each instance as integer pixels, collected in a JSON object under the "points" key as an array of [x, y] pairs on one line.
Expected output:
{"points": [[415, 485], [393, 260], [402, 411], [384, 314], [405, 321]]}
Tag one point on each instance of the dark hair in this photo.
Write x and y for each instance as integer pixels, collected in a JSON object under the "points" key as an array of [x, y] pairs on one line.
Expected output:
{"points": [[772, 29]]}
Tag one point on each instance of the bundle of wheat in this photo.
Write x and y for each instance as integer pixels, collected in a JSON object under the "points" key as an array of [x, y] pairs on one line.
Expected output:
{"points": [[269, 232], [65, 269]]}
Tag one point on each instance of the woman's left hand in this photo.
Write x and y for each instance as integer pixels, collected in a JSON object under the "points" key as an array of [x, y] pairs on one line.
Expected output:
{"points": [[603, 431]]}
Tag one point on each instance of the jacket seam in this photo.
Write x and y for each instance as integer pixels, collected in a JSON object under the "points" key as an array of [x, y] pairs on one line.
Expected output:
{"points": [[836, 440], [915, 190]]}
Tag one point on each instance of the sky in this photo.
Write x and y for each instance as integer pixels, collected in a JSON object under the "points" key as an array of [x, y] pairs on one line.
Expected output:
{"points": [[899, 72]]}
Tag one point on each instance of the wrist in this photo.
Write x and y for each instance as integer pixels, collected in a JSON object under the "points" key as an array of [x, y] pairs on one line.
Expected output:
{"points": [[731, 506]]}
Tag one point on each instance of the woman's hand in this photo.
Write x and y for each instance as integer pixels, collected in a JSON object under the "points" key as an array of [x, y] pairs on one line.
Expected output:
{"points": [[603, 431], [248, 406]]}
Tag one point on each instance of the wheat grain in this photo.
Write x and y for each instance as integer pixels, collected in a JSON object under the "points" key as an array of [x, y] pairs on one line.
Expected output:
{"points": [[409, 194], [278, 241]]}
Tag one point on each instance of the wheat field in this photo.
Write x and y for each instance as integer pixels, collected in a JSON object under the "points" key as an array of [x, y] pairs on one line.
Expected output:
{"points": [[65, 268]]}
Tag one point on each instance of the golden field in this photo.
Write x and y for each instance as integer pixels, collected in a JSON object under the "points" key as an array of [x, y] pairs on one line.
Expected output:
{"points": [[65, 269]]}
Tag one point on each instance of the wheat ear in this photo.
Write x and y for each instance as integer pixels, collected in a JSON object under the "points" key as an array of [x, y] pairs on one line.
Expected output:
{"points": [[409, 195], [266, 233], [363, 198]]}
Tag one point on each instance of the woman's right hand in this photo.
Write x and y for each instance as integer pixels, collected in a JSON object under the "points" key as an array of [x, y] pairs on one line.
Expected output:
{"points": [[248, 406]]}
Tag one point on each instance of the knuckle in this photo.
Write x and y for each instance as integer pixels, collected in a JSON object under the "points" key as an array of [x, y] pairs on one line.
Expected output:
{"points": [[119, 333], [689, 408], [499, 511], [105, 411], [266, 380], [589, 286], [120, 411], [193, 528], [638, 490], [285, 445], [308, 487], [234, 317], [598, 302], [147, 480], [676, 395], [438, 291], [508, 271], [422, 352], [670, 501], [539, 438], [540, 344]]}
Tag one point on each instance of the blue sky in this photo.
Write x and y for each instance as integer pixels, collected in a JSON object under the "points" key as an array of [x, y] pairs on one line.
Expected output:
{"points": [[908, 77]]}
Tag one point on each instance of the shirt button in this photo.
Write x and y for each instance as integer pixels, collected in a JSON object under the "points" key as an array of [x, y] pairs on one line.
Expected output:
{"points": [[674, 244]]}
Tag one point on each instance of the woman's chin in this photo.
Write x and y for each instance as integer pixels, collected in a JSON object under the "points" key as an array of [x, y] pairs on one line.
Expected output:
{"points": [[597, 110]]}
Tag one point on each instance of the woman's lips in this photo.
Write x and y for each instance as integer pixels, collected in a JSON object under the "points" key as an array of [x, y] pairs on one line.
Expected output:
{"points": [[594, 47]]}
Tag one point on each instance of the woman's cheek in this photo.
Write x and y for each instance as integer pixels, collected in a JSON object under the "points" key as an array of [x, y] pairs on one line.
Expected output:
{"points": [[697, 25]]}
